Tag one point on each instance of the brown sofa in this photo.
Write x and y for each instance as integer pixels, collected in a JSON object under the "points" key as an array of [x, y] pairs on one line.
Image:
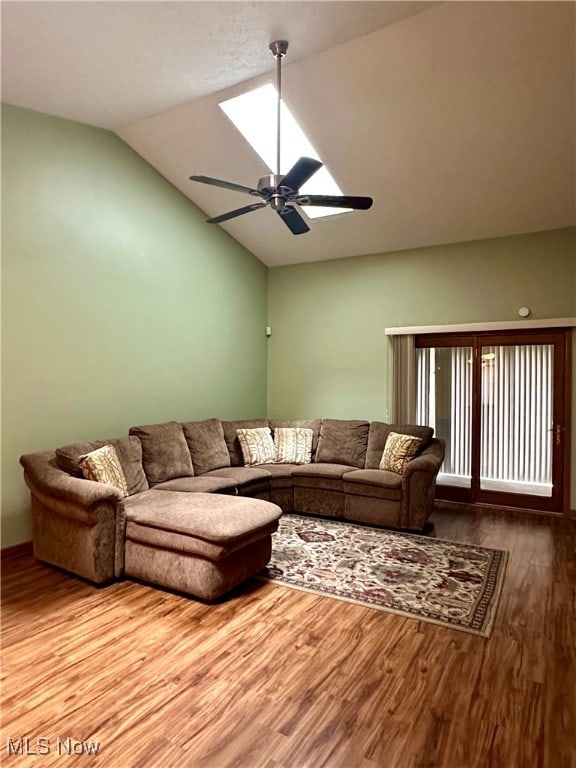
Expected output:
{"points": [[81, 525]]}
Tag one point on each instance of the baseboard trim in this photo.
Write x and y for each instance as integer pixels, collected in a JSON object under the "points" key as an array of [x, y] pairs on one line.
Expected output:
{"points": [[18, 550], [459, 506]]}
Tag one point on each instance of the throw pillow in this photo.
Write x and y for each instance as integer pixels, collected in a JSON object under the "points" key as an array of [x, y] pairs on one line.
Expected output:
{"points": [[398, 451], [103, 466], [293, 445], [378, 435], [231, 437], [313, 424], [257, 446]]}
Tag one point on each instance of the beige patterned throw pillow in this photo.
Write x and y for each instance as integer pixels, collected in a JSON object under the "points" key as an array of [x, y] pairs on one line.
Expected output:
{"points": [[257, 446], [293, 445], [103, 466], [398, 451]]}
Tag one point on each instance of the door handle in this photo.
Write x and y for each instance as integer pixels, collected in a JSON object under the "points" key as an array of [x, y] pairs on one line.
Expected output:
{"points": [[557, 429], [558, 433]]}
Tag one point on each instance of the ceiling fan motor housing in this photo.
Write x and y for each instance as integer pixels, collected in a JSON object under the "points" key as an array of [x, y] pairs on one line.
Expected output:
{"points": [[269, 184], [274, 193]]}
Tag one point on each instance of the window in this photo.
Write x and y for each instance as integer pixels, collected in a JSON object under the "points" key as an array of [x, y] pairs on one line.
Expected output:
{"points": [[254, 115]]}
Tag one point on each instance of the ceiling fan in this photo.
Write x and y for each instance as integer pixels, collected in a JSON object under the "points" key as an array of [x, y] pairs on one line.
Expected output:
{"points": [[282, 192]]}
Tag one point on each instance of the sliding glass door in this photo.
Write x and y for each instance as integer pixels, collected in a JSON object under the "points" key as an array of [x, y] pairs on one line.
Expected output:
{"points": [[498, 400]]}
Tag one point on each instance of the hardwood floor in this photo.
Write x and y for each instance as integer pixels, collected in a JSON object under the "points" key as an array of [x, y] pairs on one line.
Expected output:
{"points": [[277, 678]]}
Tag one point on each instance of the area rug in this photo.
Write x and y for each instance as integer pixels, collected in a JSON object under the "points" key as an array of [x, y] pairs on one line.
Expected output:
{"points": [[428, 579]]}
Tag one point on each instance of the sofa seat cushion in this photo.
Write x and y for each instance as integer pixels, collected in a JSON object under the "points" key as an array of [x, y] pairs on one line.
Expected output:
{"points": [[281, 474], [207, 445], [324, 475], [210, 525], [343, 441], [197, 485], [378, 483], [241, 475], [336, 471]]}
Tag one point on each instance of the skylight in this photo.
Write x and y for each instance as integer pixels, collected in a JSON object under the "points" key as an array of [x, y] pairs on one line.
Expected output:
{"points": [[254, 115]]}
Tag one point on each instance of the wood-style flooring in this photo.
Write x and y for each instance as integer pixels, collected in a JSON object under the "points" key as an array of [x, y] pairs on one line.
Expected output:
{"points": [[277, 678]]}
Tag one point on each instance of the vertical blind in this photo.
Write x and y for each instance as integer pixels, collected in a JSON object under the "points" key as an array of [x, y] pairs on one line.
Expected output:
{"points": [[516, 409], [444, 401], [517, 413]]}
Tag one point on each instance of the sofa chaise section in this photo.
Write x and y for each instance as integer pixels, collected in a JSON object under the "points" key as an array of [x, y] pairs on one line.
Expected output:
{"points": [[204, 544]]}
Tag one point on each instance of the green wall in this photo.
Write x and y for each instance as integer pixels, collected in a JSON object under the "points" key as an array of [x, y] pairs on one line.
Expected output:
{"points": [[120, 306], [328, 355]]}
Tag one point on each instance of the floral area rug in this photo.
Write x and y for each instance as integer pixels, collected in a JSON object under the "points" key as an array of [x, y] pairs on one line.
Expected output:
{"points": [[428, 579]]}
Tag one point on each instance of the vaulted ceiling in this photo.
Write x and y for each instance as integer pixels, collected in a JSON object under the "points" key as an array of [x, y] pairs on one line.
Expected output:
{"points": [[458, 118]]}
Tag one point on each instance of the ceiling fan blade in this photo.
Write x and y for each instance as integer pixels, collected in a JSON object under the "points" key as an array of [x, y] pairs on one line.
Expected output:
{"points": [[237, 212], [301, 171], [336, 201], [226, 185], [293, 220]]}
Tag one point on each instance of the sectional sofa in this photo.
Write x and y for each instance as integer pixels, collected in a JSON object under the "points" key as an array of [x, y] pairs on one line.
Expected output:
{"points": [[194, 471]]}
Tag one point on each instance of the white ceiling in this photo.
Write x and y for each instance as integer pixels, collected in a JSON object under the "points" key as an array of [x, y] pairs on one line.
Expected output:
{"points": [[457, 118]]}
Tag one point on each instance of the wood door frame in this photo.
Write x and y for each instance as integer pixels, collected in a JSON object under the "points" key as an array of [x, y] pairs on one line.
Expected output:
{"points": [[561, 339]]}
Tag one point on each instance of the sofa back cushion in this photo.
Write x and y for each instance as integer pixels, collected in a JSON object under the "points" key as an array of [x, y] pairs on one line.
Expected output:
{"points": [[68, 455], [231, 437], [207, 445], [313, 424], [379, 432], [165, 453], [129, 452], [343, 441], [103, 466]]}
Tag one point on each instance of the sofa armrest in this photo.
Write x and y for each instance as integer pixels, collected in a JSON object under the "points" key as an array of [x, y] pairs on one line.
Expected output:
{"points": [[419, 485], [45, 478], [74, 521], [429, 460]]}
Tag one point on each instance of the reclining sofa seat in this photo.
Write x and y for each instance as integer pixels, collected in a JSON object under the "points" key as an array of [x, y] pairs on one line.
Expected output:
{"points": [[79, 524]]}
